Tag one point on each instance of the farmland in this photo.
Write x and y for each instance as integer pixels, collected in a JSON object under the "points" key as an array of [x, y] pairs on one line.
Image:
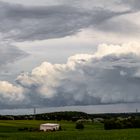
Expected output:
{"points": [[11, 130]]}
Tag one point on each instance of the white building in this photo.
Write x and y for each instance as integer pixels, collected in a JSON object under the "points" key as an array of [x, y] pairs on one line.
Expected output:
{"points": [[49, 127]]}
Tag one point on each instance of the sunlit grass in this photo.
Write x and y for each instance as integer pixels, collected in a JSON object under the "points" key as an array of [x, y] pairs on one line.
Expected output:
{"points": [[9, 130]]}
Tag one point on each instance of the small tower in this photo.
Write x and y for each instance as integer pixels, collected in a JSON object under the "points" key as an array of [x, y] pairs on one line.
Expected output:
{"points": [[34, 113]]}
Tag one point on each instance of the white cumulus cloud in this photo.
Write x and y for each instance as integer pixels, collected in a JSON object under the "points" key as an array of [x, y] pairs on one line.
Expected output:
{"points": [[10, 93], [110, 75]]}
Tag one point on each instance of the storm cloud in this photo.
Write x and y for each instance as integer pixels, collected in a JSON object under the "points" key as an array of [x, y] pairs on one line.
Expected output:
{"points": [[25, 23], [134, 4], [10, 53], [110, 75]]}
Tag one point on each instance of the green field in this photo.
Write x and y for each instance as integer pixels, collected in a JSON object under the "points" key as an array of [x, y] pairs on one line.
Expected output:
{"points": [[9, 130]]}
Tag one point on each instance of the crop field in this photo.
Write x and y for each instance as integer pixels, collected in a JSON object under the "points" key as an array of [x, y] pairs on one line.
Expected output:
{"points": [[13, 130]]}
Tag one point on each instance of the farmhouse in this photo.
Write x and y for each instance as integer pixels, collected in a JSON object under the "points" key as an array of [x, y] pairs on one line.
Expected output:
{"points": [[49, 127]]}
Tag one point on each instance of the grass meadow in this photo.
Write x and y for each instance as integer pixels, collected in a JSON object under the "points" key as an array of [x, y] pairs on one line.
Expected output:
{"points": [[9, 130]]}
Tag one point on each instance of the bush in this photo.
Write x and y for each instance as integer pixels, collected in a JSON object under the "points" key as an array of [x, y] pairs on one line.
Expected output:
{"points": [[60, 128], [122, 124], [79, 126]]}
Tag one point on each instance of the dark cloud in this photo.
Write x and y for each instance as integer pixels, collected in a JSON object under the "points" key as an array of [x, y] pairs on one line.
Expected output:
{"points": [[9, 53], [120, 26], [22, 23], [134, 4]]}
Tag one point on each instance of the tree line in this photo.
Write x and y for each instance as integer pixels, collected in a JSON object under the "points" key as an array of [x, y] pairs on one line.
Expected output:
{"points": [[122, 123]]}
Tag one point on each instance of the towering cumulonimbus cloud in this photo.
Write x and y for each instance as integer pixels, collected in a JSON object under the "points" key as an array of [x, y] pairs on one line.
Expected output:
{"points": [[110, 75]]}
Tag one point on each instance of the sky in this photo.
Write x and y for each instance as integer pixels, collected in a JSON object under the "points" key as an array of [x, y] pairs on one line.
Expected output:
{"points": [[69, 53]]}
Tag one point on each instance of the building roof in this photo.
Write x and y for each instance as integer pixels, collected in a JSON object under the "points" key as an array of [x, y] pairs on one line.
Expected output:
{"points": [[50, 124]]}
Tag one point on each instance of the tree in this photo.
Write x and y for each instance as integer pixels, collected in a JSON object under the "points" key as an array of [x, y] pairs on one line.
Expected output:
{"points": [[79, 125]]}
